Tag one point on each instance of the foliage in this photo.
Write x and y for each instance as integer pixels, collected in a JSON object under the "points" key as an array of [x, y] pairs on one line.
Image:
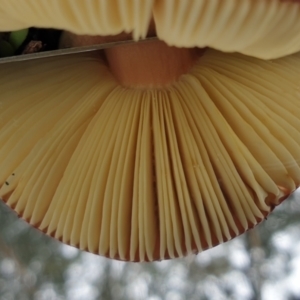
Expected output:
{"points": [[262, 264]]}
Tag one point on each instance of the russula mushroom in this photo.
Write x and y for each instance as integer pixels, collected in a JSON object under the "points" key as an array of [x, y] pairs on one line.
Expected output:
{"points": [[143, 170], [265, 29]]}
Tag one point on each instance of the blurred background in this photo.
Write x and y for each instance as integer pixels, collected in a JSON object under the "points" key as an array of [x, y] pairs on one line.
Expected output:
{"points": [[262, 264]]}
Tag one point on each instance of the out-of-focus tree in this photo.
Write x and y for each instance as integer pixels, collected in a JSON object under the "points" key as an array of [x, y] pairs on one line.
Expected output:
{"points": [[262, 264]]}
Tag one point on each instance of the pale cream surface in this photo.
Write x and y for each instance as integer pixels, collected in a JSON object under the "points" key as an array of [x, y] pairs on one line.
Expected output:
{"points": [[94, 17], [145, 174], [266, 29]]}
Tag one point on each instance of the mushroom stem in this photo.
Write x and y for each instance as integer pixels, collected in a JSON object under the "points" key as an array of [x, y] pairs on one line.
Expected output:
{"points": [[149, 64], [143, 64]]}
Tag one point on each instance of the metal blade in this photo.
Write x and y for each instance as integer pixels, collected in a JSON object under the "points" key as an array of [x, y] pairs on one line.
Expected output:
{"points": [[68, 51]]}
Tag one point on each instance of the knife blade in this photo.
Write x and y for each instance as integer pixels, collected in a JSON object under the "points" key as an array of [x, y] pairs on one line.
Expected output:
{"points": [[69, 51]]}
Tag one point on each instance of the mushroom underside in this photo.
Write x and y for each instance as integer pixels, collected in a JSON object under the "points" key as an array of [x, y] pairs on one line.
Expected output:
{"points": [[144, 174], [265, 29]]}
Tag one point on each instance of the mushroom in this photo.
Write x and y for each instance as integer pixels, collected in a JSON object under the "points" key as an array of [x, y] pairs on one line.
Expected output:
{"points": [[265, 29], [158, 164]]}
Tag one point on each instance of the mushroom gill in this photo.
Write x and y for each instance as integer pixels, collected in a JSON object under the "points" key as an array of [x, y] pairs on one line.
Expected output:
{"points": [[142, 174], [100, 17], [143, 170], [265, 29]]}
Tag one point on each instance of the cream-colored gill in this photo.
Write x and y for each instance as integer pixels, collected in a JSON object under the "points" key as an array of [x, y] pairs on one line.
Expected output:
{"points": [[144, 174], [103, 17], [34, 128], [264, 29]]}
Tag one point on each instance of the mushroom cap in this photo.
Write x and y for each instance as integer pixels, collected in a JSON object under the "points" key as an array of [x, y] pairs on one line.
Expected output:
{"points": [[265, 29], [147, 174]]}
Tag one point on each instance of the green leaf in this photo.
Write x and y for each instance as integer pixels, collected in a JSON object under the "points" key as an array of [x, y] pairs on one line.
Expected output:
{"points": [[16, 38]]}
